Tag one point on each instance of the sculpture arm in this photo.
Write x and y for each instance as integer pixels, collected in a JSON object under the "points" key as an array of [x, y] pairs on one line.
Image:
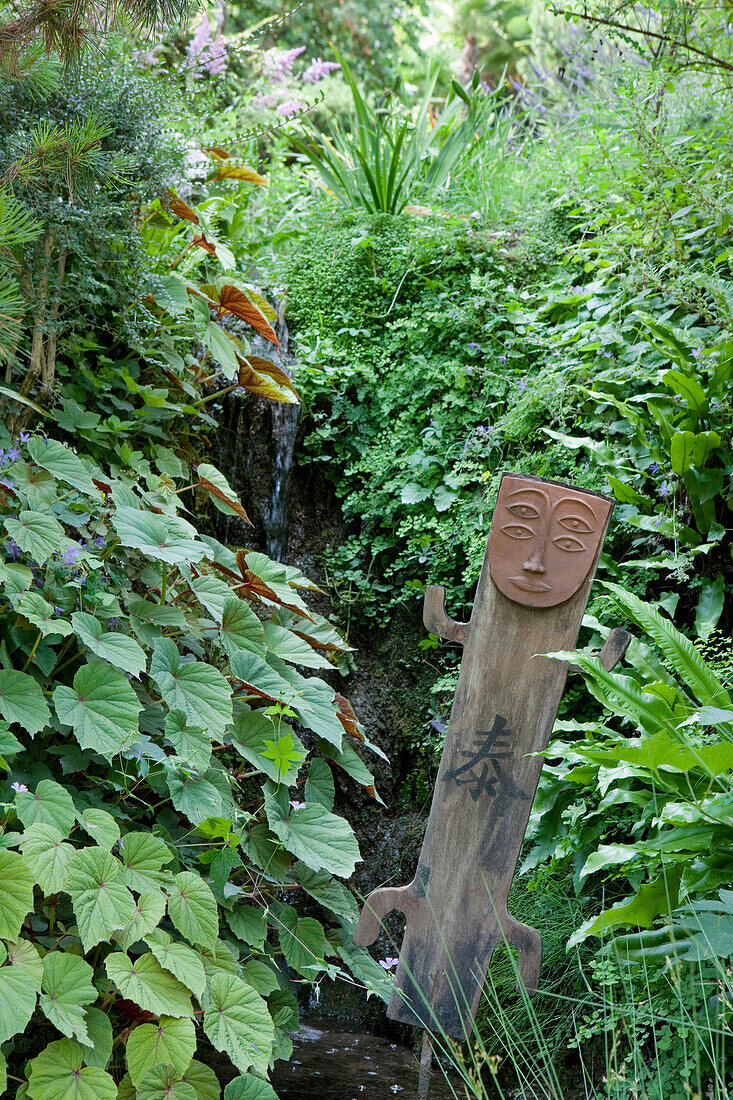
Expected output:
{"points": [[377, 906], [436, 620]]}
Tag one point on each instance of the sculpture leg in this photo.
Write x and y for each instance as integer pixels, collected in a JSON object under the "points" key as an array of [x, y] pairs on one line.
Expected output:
{"points": [[528, 943]]}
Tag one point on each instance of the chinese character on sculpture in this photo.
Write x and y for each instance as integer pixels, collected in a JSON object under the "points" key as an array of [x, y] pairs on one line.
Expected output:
{"points": [[541, 558]]}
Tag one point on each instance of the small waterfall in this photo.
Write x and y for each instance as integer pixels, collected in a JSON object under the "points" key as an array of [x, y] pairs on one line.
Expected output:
{"points": [[255, 452]]}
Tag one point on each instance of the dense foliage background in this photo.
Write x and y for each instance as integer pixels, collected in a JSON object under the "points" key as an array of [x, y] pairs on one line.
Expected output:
{"points": [[453, 240]]}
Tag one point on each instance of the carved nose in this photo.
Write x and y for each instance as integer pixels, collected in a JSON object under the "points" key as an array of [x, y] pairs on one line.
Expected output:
{"points": [[536, 562]]}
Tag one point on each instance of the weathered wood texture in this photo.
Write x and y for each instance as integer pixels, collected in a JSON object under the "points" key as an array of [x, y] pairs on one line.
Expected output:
{"points": [[503, 713]]}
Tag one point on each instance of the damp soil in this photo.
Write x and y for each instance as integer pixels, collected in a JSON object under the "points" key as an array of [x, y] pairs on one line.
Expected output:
{"points": [[346, 1064]]}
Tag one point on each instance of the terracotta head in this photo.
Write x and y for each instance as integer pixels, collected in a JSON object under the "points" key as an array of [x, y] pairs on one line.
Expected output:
{"points": [[544, 539]]}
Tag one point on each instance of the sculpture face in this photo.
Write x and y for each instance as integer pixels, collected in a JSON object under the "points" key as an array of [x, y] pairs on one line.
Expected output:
{"points": [[544, 539]]}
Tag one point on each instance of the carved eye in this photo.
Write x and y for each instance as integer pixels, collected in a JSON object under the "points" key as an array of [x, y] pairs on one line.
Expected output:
{"points": [[573, 546], [527, 511], [575, 523], [518, 531]]}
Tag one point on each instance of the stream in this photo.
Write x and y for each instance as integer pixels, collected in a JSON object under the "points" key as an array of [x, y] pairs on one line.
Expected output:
{"points": [[346, 1064]]}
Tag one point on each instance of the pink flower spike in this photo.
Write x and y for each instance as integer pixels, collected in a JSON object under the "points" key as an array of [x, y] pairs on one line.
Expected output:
{"points": [[290, 108]]}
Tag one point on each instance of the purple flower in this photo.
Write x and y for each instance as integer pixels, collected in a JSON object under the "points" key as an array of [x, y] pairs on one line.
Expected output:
{"points": [[113, 622], [502, 359], [664, 489], [280, 65], [653, 467], [218, 60], [469, 370], [291, 107], [13, 548], [70, 555], [473, 346], [522, 385], [388, 963], [696, 353], [13, 454], [99, 540], [58, 610], [317, 70], [7, 483], [297, 805], [607, 354], [19, 788], [204, 50], [24, 437]]}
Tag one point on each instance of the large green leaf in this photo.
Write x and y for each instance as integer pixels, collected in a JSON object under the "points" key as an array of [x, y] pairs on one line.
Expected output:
{"points": [[248, 924], [16, 894], [101, 708], [198, 689], [213, 593], [220, 491], [165, 538], [192, 743], [102, 903], [194, 795], [38, 534], [182, 961], [237, 1022], [144, 981], [302, 941], [164, 1083], [193, 910], [288, 646], [100, 826], [324, 841], [66, 990], [50, 805], [58, 1073], [99, 1027], [651, 900], [143, 856], [319, 786], [170, 1042], [61, 461], [331, 893], [204, 1081], [47, 855], [249, 1088], [21, 701], [18, 989], [256, 737], [259, 676], [149, 911], [240, 628], [40, 613], [120, 650]]}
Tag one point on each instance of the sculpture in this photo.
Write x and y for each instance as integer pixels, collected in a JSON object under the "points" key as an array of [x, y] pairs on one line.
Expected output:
{"points": [[540, 561]]}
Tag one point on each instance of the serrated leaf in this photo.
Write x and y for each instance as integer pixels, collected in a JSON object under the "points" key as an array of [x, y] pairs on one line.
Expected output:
{"points": [[302, 942], [16, 894], [650, 901], [101, 708], [143, 856], [261, 679], [40, 613], [248, 924], [192, 743], [170, 1042], [203, 1080], [50, 804], [158, 614], [265, 379], [182, 961], [290, 647], [193, 910], [164, 538], [319, 786], [99, 1027], [164, 1083], [62, 463], [120, 650], [100, 826], [17, 998], [149, 911], [21, 701], [144, 981], [38, 534], [222, 495], [66, 990], [321, 839], [23, 955], [47, 856], [58, 1073], [212, 593], [193, 795], [249, 1088], [240, 628], [102, 903], [328, 892], [198, 689], [238, 1023]]}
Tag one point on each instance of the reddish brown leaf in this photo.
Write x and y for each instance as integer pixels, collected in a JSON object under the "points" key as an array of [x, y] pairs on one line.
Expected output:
{"points": [[103, 486], [347, 717], [203, 243], [232, 300], [265, 379], [239, 172], [133, 1011], [231, 501], [217, 153], [183, 210]]}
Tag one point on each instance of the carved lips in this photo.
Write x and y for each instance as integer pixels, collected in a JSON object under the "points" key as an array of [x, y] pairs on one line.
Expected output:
{"points": [[544, 539]]}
